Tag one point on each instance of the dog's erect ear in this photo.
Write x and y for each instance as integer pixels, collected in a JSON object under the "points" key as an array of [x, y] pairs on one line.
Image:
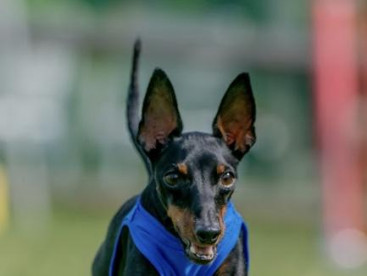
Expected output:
{"points": [[160, 119], [234, 122]]}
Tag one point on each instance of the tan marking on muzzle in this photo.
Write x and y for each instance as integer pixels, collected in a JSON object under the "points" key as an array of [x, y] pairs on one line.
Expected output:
{"points": [[183, 221], [222, 226]]}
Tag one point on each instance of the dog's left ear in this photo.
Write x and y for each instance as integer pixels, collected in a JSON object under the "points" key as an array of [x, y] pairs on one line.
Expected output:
{"points": [[161, 119], [234, 122]]}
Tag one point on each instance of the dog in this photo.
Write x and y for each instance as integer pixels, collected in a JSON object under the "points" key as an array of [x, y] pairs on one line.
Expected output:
{"points": [[183, 222]]}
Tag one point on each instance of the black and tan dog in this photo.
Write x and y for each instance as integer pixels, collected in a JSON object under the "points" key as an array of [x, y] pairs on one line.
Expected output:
{"points": [[185, 208]]}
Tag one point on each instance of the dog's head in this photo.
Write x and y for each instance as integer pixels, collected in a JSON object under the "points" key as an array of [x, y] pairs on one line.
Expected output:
{"points": [[195, 173]]}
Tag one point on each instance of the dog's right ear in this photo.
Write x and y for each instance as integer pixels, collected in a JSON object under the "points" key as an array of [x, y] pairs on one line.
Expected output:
{"points": [[161, 119]]}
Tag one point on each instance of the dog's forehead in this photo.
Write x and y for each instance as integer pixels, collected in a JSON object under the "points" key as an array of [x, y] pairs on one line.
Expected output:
{"points": [[194, 141], [195, 147]]}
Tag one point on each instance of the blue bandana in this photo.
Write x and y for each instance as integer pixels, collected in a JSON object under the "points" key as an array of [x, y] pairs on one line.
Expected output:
{"points": [[166, 252]]}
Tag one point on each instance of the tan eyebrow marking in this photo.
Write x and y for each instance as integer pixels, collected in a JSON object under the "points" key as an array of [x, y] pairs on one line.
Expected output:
{"points": [[220, 169], [182, 168]]}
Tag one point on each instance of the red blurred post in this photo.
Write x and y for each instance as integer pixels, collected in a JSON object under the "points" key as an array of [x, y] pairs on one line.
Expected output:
{"points": [[336, 93], [363, 55]]}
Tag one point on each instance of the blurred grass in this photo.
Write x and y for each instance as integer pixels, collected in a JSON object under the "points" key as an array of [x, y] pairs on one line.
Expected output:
{"points": [[68, 247]]}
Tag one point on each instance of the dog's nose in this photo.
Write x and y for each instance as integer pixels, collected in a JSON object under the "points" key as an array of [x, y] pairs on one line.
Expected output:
{"points": [[207, 235]]}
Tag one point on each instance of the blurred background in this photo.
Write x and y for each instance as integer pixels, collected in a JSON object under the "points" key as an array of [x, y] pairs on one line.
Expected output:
{"points": [[66, 162]]}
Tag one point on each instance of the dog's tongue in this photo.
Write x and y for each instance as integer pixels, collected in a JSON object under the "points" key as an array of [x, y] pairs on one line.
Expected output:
{"points": [[205, 252]]}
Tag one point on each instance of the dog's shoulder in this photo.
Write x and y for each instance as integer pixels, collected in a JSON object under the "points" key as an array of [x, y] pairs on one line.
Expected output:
{"points": [[101, 261], [121, 213]]}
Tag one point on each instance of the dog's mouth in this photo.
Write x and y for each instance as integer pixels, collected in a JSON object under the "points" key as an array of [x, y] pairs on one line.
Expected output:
{"points": [[201, 254]]}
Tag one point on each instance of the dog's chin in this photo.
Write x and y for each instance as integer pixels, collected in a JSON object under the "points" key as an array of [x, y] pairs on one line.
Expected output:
{"points": [[201, 254]]}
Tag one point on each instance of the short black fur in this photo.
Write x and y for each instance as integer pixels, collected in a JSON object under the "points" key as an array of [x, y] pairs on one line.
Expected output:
{"points": [[191, 175]]}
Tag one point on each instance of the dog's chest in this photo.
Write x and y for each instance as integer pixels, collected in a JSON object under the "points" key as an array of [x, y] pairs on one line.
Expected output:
{"points": [[158, 250]]}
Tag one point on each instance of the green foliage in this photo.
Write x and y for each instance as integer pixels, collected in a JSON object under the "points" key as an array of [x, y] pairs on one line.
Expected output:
{"points": [[100, 3]]}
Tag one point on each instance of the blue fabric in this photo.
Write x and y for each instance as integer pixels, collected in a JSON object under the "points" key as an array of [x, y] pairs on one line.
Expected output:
{"points": [[166, 252]]}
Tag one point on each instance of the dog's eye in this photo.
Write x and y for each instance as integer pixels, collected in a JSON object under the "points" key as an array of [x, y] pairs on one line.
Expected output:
{"points": [[227, 179], [171, 178]]}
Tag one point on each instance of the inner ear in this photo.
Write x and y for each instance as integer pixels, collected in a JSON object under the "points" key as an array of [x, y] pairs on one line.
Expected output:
{"points": [[235, 119], [160, 119]]}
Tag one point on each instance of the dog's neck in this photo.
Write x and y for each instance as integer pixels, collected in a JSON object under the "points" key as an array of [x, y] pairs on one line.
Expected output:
{"points": [[153, 204]]}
